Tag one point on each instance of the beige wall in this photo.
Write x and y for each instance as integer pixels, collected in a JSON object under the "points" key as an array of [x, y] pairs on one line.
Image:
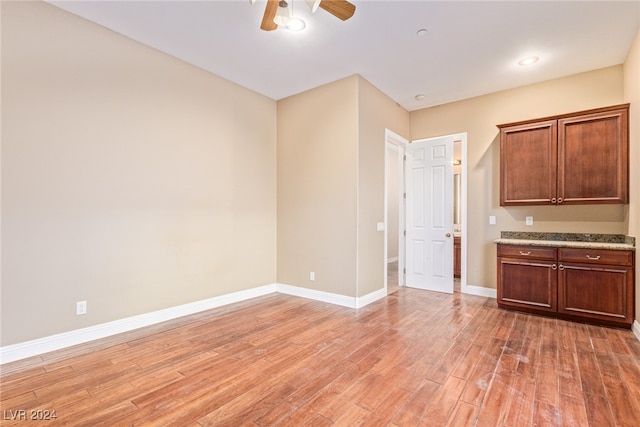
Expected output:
{"points": [[317, 188], [376, 112], [129, 179], [331, 144], [479, 117], [632, 95]]}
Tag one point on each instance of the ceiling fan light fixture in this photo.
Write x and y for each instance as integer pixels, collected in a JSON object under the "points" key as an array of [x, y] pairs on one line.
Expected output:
{"points": [[296, 24], [313, 5], [283, 16]]}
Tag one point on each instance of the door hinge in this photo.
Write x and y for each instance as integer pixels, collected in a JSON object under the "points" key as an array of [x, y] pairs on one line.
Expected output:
{"points": [[404, 233], [404, 195], [404, 271]]}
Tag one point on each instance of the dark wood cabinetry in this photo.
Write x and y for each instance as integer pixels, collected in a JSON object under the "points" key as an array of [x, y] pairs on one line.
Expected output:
{"points": [[457, 257], [527, 278], [595, 285], [528, 163], [578, 158]]}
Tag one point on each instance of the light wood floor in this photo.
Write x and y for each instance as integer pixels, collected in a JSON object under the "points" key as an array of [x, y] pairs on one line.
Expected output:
{"points": [[392, 277], [413, 358]]}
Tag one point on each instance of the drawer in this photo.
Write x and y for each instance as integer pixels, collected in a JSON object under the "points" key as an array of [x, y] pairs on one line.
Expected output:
{"points": [[527, 252], [596, 256]]}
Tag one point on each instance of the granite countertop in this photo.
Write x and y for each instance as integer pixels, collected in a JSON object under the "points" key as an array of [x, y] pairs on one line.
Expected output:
{"points": [[568, 240]]}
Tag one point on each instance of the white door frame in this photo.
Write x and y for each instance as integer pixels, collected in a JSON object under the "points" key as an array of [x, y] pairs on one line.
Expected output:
{"points": [[462, 137], [397, 143]]}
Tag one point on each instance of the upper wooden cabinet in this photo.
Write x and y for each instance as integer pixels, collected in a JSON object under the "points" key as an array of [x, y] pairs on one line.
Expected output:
{"points": [[578, 158]]}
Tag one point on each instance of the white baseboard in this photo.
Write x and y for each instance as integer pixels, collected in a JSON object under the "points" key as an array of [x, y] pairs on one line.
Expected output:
{"points": [[38, 346], [337, 299], [479, 291], [371, 297], [636, 328], [313, 294], [35, 347]]}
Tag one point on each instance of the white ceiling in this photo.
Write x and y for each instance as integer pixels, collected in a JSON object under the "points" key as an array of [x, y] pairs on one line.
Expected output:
{"points": [[471, 48]]}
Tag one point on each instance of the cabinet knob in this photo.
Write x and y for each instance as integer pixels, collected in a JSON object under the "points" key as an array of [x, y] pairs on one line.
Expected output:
{"points": [[559, 200], [554, 267], [561, 267], [553, 200]]}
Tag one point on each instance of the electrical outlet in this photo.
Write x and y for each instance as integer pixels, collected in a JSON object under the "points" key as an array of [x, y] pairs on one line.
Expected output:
{"points": [[528, 220], [81, 307], [312, 276]]}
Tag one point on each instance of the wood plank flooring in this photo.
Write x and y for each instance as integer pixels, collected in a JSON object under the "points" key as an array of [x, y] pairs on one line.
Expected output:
{"points": [[414, 358]]}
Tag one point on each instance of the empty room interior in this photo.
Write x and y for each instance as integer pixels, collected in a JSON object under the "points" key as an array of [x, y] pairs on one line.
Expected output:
{"points": [[402, 213]]}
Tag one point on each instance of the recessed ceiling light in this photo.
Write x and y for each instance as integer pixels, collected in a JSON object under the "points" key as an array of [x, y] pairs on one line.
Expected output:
{"points": [[528, 61], [421, 33], [419, 97], [296, 24]]}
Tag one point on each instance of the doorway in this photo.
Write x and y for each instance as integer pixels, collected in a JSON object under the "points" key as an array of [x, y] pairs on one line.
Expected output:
{"points": [[395, 181], [394, 212], [430, 215]]}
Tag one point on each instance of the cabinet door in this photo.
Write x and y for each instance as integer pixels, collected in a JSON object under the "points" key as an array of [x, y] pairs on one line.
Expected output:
{"points": [[593, 158], [528, 285], [457, 257], [528, 162], [596, 292]]}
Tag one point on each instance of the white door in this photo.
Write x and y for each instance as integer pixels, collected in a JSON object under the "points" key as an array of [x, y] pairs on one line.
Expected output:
{"points": [[429, 182]]}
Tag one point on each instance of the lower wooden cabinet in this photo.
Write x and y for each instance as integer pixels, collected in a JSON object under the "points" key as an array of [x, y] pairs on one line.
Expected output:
{"points": [[597, 286], [527, 278], [528, 285], [601, 287], [457, 257]]}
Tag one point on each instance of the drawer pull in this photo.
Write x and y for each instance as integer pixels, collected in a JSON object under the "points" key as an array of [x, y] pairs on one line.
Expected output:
{"points": [[525, 253], [597, 257]]}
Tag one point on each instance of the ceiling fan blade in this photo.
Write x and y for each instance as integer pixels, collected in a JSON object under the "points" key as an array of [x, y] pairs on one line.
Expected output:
{"points": [[341, 9], [269, 13]]}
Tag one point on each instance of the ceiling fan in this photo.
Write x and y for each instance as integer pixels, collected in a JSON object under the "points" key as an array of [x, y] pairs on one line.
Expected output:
{"points": [[276, 9]]}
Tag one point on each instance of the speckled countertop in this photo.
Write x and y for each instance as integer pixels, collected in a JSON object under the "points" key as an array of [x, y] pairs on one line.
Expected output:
{"points": [[568, 240]]}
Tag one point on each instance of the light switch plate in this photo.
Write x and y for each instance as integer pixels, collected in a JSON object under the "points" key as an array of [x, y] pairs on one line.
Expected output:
{"points": [[380, 226], [492, 220]]}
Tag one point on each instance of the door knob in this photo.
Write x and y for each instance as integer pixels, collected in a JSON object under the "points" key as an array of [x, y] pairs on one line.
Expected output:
{"points": [[448, 234]]}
